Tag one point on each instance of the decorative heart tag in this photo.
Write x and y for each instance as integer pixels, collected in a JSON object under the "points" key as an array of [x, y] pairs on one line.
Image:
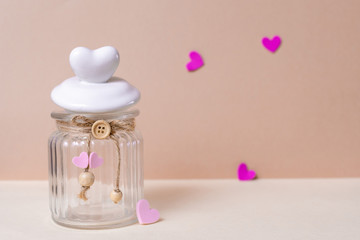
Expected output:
{"points": [[145, 214], [95, 161], [95, 66], [244, 174], [82, 161], [273, 44], [196, 61]]}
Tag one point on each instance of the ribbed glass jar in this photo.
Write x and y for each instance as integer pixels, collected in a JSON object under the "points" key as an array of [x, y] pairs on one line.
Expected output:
{"points": [[124, 170]]}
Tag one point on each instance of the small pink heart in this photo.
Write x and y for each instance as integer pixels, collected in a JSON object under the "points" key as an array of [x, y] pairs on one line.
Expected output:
{"points": [[273, 44], [244, 174], [145, 214], [196, 61], [81, 161], [95, 161]]}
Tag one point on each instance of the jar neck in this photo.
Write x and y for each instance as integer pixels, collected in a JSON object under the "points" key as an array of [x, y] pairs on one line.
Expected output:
{"points": [[120, 115], [83, 122]]}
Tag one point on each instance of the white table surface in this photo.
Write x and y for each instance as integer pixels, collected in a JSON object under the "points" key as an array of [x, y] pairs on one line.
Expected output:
{"points": [[204, 209]]}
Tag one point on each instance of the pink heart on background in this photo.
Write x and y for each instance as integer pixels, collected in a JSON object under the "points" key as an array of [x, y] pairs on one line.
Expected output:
{"points": [[244, 174], [145, 214], [95, 161], [196, 61], [81, 161], [273, 44]]}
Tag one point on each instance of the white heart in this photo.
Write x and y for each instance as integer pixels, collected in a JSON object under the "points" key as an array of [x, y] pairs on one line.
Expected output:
{"points": [[95, 66]]}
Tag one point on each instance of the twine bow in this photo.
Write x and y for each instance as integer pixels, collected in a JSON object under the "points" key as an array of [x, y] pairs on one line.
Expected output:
{"points": [[84, 124]]}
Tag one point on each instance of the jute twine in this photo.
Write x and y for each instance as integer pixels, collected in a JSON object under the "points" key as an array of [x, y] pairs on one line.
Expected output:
{"points": [[82, 124]]}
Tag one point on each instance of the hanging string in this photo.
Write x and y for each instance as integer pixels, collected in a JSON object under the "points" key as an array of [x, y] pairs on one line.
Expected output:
{"points": [[82, 194]]}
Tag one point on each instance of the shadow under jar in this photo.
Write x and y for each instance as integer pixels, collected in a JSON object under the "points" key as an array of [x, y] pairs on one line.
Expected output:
{"points": [[120, 170]]}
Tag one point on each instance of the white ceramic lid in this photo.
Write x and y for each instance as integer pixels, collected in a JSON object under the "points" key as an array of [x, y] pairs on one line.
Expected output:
{"points": [[93, 89]]}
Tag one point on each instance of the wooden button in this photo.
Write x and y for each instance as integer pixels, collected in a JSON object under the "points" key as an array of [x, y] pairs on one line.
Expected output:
{"points": [[101, 129]]}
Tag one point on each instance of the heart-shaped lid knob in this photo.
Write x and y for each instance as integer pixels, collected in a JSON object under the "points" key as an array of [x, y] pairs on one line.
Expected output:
{"points": [[95, 66], [93, 89]]}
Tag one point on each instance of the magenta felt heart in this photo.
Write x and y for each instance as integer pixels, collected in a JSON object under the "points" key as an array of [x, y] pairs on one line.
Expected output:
{"points": [[95, 161], [81, 161], [273, 44], [195, 61], [145, 214], [244, 174]]}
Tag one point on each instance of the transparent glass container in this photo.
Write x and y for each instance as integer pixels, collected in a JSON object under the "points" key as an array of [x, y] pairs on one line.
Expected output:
{"points": [[124, 170]]}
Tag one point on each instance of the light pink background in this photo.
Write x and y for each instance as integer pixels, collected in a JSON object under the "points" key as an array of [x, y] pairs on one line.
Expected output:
{"points": [[295, 113]]}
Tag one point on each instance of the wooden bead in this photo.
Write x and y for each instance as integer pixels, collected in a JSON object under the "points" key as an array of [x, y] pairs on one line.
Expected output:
{"points": [[86, 179], [116, 196]]}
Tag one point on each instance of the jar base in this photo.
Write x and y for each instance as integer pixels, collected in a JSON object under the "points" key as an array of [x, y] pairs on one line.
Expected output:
{"points": [[96, 225]]}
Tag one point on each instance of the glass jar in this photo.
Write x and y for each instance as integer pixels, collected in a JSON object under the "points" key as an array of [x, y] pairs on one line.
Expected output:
{"points": [[72, 202]]}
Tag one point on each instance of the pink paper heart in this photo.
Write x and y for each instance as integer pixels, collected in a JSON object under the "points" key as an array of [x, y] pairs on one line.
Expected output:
{"points": [[273, 44], [81, 161], [145, 214], [244, 174], [95, 161], [195, 61]]}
